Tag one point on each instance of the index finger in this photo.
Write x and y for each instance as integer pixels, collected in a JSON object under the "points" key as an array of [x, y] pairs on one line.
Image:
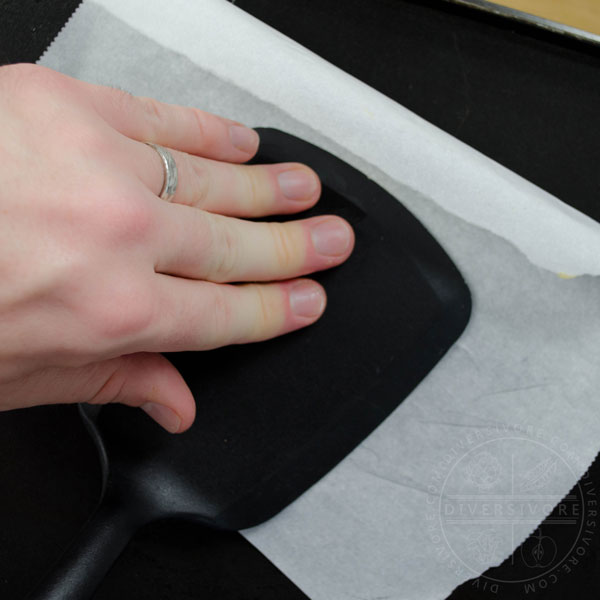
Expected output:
{"points": [[179, 127]]}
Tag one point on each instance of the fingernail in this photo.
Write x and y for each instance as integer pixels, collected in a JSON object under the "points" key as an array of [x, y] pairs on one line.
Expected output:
{"points": [[307, 299], [163, 415], [297, 184], [244, 138], [331, 237]]}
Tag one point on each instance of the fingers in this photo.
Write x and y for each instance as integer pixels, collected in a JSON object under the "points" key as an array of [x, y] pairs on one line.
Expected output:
{"points": [[236, 190], [199, 315], [183, 128], [199, 245]]}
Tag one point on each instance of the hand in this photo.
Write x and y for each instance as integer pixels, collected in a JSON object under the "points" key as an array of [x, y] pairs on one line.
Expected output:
{"points": [[99, 274]]}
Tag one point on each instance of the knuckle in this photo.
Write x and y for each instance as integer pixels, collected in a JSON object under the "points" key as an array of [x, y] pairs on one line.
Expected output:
{"points": [[35, 93], [122, 100], [152, 109], [29, 83], [88, 142], [284, 249], [198, 123], [69, 351], [129, 312], [135, 220], [222, 316], [267, 314], [23, 73], [19, 72], [123, 219], [134, 321], [264, 313], [200, 180], [254, 190], [225, 251], [112, 388]]}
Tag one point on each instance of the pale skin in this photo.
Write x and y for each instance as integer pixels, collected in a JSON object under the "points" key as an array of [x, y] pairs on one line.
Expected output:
{"points": [[99, 275]]}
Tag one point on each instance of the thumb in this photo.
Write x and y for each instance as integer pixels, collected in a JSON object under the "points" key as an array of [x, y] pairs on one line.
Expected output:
{"points": [[144, 380], [148, 381]]}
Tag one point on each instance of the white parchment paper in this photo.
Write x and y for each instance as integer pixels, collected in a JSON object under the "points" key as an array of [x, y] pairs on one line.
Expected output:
{"points": [[509, 418]]}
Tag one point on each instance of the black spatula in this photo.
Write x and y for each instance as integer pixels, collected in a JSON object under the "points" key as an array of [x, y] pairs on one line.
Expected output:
{"points": [[274, 417]]}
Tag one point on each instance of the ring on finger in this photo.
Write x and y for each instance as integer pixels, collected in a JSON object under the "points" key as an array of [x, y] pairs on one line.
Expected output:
{"points": [[171, 177]]}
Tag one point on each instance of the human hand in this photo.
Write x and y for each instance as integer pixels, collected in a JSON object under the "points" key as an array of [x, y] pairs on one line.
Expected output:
{"points": [[99, 274]]}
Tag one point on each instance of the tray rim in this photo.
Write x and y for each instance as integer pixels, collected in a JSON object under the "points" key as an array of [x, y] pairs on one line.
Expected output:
{"points": [[530, 19]]}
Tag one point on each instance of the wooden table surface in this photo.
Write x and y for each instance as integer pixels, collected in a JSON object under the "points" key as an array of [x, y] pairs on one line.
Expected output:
{"points": [[583, 14]]}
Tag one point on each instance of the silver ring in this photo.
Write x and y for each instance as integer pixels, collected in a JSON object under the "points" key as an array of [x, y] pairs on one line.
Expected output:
{"points": [[171, 177]]}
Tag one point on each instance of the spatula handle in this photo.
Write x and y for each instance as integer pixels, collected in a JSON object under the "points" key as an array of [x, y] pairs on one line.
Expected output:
{"points": [[86, 561]]}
